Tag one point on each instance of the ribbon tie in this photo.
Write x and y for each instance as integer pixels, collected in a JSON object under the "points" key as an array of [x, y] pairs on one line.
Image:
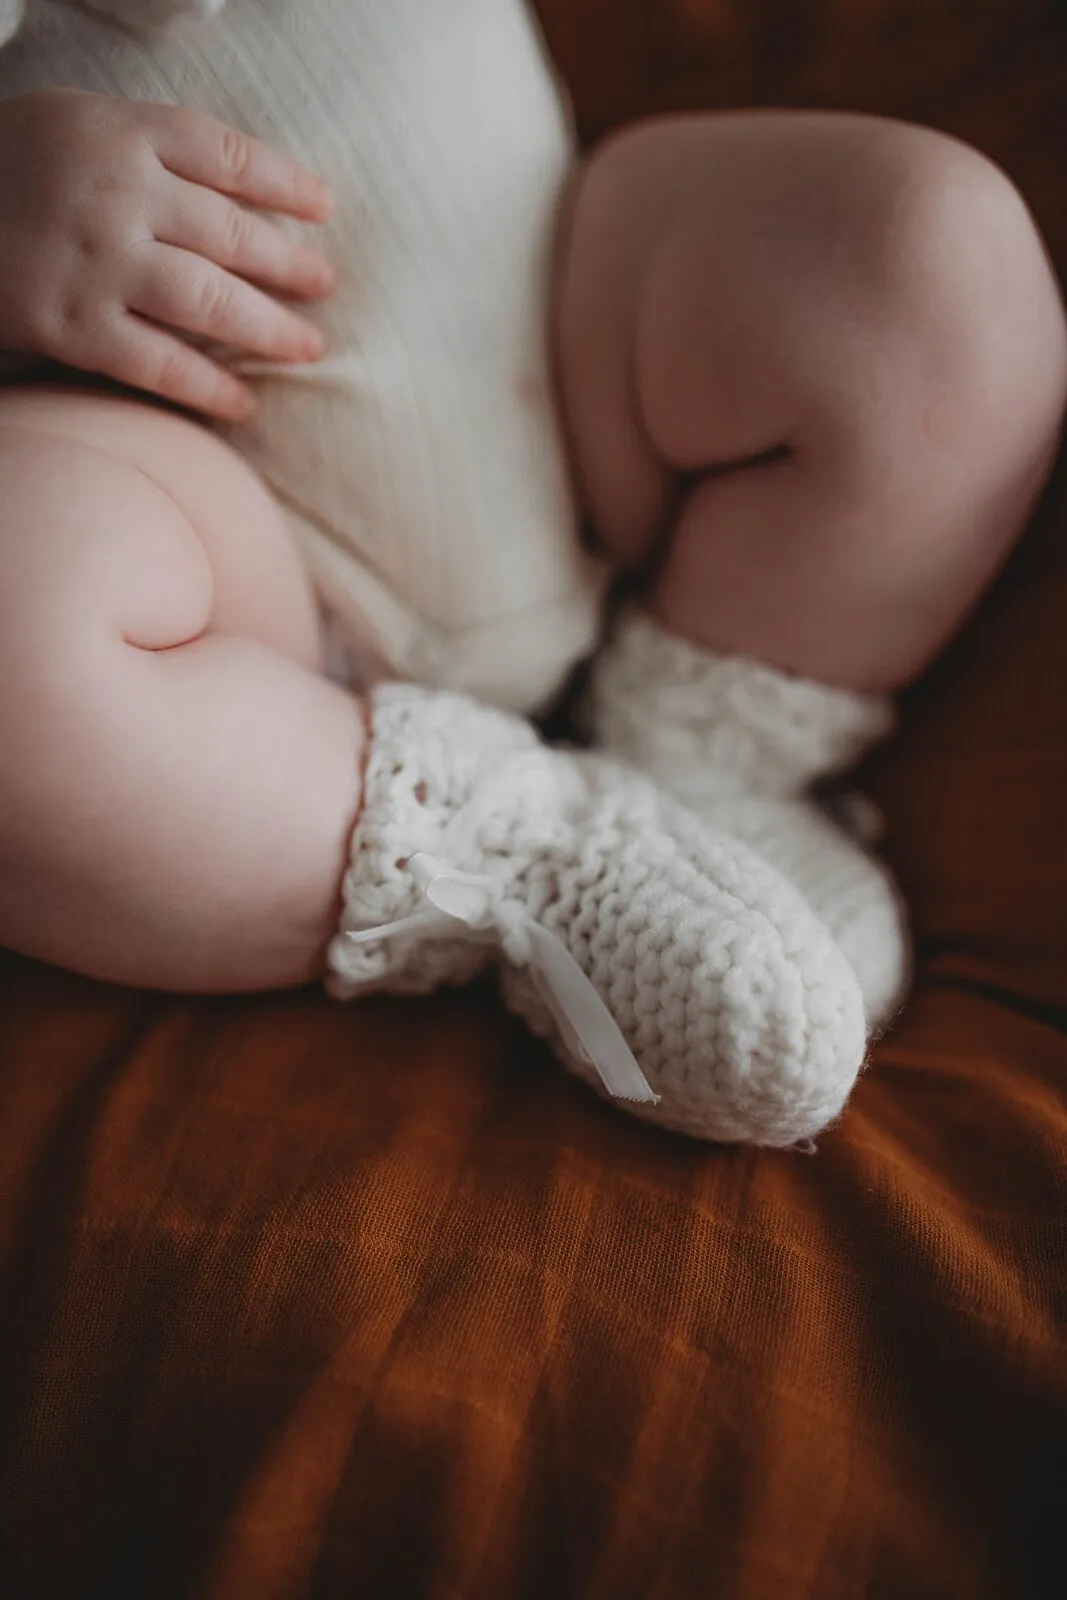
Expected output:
{"points": [[472, 905]]}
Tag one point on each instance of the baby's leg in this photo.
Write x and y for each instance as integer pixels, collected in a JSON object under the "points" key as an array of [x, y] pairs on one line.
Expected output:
{"points": [[177, 784], [178, 790], [814, 368]]}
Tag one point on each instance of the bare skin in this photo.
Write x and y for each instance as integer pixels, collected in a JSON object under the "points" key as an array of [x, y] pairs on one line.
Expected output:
{"points": [[179, 780], [813, 371]]}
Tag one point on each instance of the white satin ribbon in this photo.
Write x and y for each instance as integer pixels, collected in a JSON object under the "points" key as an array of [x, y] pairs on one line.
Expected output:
{"points": [[470, 905]]}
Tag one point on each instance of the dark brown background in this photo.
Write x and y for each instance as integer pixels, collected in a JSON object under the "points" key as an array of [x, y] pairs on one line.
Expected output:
{"points": [[298, 1300]]}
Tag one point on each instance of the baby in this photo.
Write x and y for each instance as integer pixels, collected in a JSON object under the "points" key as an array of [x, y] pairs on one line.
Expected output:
{"points": [[810, 370]]}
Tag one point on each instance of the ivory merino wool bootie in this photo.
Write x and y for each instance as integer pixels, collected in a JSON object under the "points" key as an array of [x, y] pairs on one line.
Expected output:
{"points": [[741, 744], [420, 462], [668, 964]]}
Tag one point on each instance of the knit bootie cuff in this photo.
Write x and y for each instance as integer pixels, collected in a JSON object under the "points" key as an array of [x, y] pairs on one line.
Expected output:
{"points": [[451, 858], [721, 725], [430, 758]]}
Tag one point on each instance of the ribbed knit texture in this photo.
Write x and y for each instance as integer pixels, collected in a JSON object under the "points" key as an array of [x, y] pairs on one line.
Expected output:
{"points": [[420, 461], [740, 1009], [740, 743]]}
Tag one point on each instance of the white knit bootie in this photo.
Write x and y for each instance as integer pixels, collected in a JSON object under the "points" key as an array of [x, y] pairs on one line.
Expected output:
{"points": [[667, 962], [741, 744]]}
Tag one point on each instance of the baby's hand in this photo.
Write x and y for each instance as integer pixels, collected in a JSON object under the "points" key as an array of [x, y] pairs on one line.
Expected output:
{"points": [[124, 225]]}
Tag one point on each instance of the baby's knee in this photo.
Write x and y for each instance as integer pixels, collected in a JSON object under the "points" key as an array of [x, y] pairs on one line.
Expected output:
{"points": [[862, 288], [883, 328], [963, 303]]}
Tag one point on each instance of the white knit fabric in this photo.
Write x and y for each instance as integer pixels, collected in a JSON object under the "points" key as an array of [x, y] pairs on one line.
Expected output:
{"points": [[740, 743], [420, 461], [743, 1014]]}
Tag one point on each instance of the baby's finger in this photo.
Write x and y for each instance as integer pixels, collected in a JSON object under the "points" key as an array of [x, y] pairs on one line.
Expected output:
{"points": [[156, 361], [183, 291], [209, 224], [197, 147]]}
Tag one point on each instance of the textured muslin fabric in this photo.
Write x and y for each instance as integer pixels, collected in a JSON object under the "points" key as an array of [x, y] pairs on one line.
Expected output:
{"points": [[420, 461], [302, 1301]]}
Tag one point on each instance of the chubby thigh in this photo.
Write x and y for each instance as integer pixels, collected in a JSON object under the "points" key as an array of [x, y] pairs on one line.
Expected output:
{"points": [[179, 781]]}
